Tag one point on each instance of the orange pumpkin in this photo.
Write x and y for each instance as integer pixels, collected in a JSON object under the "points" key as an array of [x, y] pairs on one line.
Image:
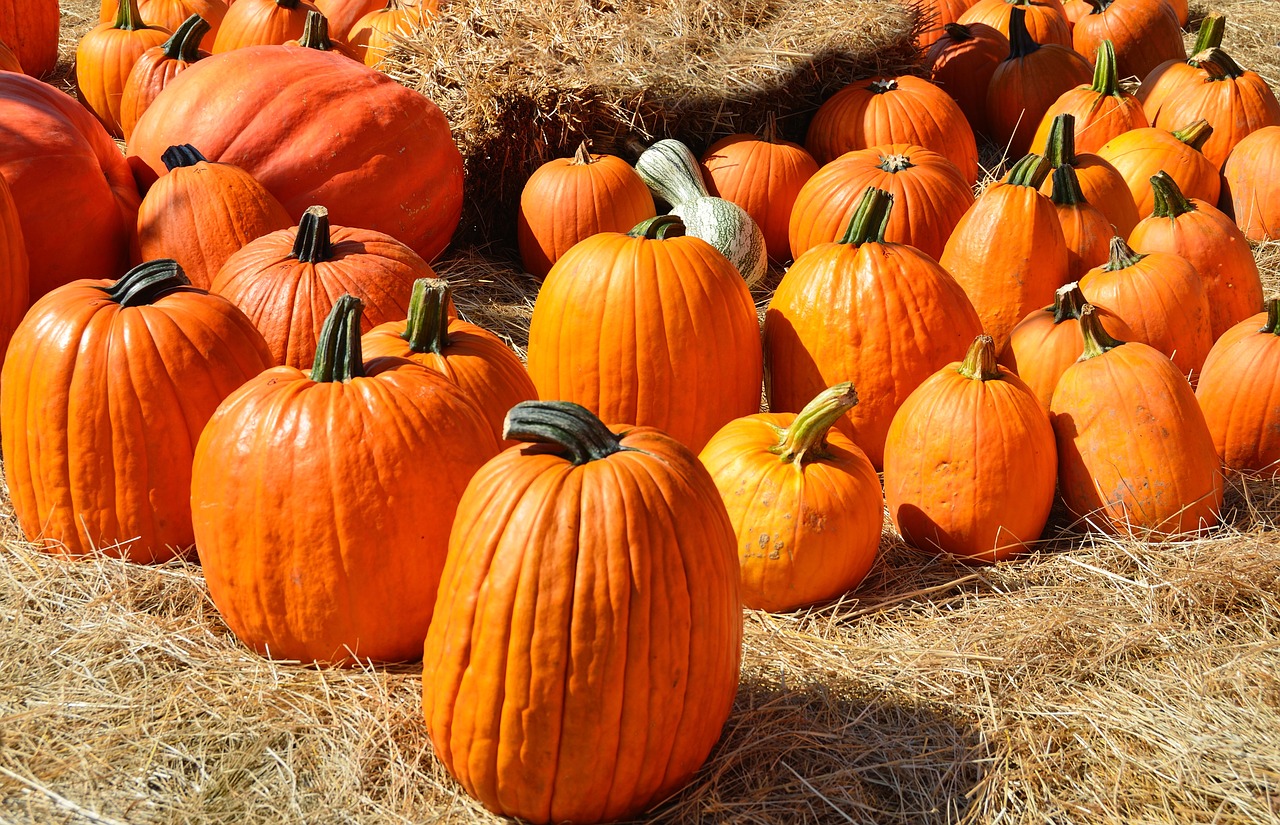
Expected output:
{"points": [[375, 34], [14, 269], [170, 14], [970, 464], [1102, 110], [1170, 76], [1085, 230], [962, 62], [30, 28], [1101, 183], [1237, 393], [935, 16], [804, 502], [156, 67], [262, 23], [1251, 184], [1139, 154], [104, 58], [1145, 33], [343, 15], [1046, 20]]}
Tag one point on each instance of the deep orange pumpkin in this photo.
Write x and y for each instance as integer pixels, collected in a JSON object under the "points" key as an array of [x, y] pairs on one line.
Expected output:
{"points": [[104, 58], [1085, 230], [15, 269], [170, 14], [1046, 20], [1101, 183], [374, 35], [261, 23], [1238, 393], [1139, 154], [962, 62], [30, 28], [1251, 181], [1145, 34], [1101, 110], [156, 67], [1171, 75]]}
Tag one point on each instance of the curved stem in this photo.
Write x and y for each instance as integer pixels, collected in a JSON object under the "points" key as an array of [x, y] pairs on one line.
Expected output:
{"points": [[1030, 171], [958, 32], [806, 439], [128, 17], [1195, 135], [1066, 187], [580, 436], [1219, 65], [1170, 202], [980, 361], [1068, 301], [1021, 43], [184, 43], [427, 328], [315, 33], [178, 157], [1060, 149], [659, 228], [312, 244], [582, 156], [1096, 339], [1273, 317], [1105, 81], [338, 352], [870, 219], [1122, 256], [1212, 27], [147, 283]]}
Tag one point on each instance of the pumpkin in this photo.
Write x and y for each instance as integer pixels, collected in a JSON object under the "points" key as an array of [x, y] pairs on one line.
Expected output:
{"points": [[567, 200], [1237, 393], [1160, 297], [1145, 34], [1101, 183], [1101, 110], [105, 388], [882, 315], [1211, 242], [887, 110], [170, 14], [261, 23], [1139, 154], [1046, 20], [375, 34], [1171, 75], [323, 500], [1008, 274], [287, 282], [1085, 230], [315, 35], [1026, 84], [202, 213], [962, 62], [1048, 340], [589, 623], [343, 15], [935, 16], [970, 464], [470, 356], [8, 59], [64, 170], [30, 28], [1074, 10], [156, 67], [104, 58], [929, 197], [649, 327], [315, 128], [763, 175], [803, 500], [14, 269], [1135, 456], [1251, 184]]}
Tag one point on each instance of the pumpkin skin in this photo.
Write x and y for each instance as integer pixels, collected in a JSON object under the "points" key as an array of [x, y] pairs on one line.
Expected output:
{"points": [[1139, 154], [170, 14], [803, 499], [604, 332], [1102, 110], [30, 28], [104, 58], [1170, 76], [1101, 184], [885, 110], [1135, 456], [1145, 34], [64, 170], [156, 67], [1046, 19], [962, 62], [1086, 232], [9, 59], [939, 14], [374, 35], [567, 200], [882, 315], [632, 549], [104, 390], [316, 128], [1251, 184], [929, 197], [1210, 241], [261, 23], [970, 465], [344, 14], [307, 488], [202, 213], [1238, 394], [15, 269]]}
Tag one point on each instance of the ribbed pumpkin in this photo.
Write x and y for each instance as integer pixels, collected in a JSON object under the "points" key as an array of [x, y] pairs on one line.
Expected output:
{"points": [[30, 28], [202, 213], [1251, 184], [567, 200], [762, 174], [470, 356], [1046, 20], [1160, 297], [1086, 232], [882, 315], [1101, 110], [929, 197], [584, 653], [104, 58], [804, 501], [962, 62], [104, 391], [1075, 9], [884, 110], [1101, 183], [157, 66], [1210, 241], [1145, 33], [1139, 154], [373, 35], [261, 23], [15, 269], [1007, 274], [970, 463], [9, 59], [1135, 456], [649, 327], [75, 195], [1171, 75], [1238, 390], [1026, 84], [323, 500], [170, 14]]}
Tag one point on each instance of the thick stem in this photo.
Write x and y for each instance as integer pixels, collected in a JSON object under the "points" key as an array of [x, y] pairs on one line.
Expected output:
{"points": [[147, 283], [128, 17], [1068, 301], [1195, 135], [1060, 150], [1030, 171], [315, 33], [1219, 65], [1273, 317], [770, 132], [659, 228], [582, 157], [575, 430], [806, 439], [1096, 339], [870, 219], [1212, 28], [427, 329], [178, 157], [1170, 202], [980, 361], [958, 32], [1021, 43], [1105, 81], [1122, 256], [894, 164], [184, 43], [338, 353], [1066, 187], [312, 244]]}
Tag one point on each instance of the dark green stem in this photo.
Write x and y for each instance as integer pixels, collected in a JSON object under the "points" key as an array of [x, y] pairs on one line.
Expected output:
{"points": [[1066, 187], [184, 43], [1060, 149], [147, 283], [1099, 6], [1096, 339], [1170, 202], [870, 219], [1122, 256], [427, 329], [287, 4], [1068, 301], [1030, 171], [659, 228], [338, 353], [575, 430], [958, 32], [1195, 135], [312, 244], [178, 157], [128, 17], [1021, 43], [1273, 317], [1105, 81], [315, 33], [980, 361], [806, 439]]}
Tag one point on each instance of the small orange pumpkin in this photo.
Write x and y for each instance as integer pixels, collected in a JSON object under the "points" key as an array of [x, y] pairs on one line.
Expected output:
{"points": [[1251, 182], [1102, 110], [1170, 76], [156, 67], [262, 23], [1145, 33], [962, 62], [1141, 153], [1237, 393], [104, 58], [170, 14]]}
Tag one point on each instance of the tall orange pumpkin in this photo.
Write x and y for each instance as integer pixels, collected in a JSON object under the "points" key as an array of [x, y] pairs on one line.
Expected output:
{"points": [[1046, 20], [962, 62], [104, 390], [170, 14], [1102, 110], [262, 23], [15, 269], [1238, 390], [1251, 181], [1170, 76], [156, 67], [1086, 232], [1141, 153], [104, 58], [323, 500], [30, 28], [1101, 183], [1145, 33]]}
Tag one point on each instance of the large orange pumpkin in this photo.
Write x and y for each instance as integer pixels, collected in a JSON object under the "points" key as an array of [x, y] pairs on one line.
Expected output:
{"points": [[1171, 75], [156, 67], [104, 58], [30, 28], [1145, 33], [104, 391], [261, 23], [170, 14], [323, 500], [1101, 183], [14, 269], [1238, 390], [1141, 153], [1102, 110], [1251, 181], [1046, 20], [962, 62]]}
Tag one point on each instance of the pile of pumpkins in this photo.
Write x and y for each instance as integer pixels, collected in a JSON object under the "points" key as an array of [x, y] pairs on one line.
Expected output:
{"points": [[265, 366]]}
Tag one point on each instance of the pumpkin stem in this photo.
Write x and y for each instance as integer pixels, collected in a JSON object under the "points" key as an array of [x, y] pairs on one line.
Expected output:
{"points": [[883, 85], [128, 17], [427, 329], [1021, 43], [338, 352], [770, 132], [580, 436], [287, 4], [894, 164], [1195, 135], [958, 32], [582, 157], [659, 228], [315, 33], [184, 43], [147, 283], [1219, 65], [980, 361], [1096, 339], [1066, 187], [870, 219], [806, 439], [1105, 81], [178, 157], [1068, 301], [1099, 6], [1170, 202], [312, 244], [1030, 171], [1122, 256], [1212, 28], [1273, 317], [1060, 149]]}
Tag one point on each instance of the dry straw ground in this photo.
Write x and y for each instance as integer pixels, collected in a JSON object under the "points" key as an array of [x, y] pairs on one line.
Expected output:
{"points": [[1096, 681]]}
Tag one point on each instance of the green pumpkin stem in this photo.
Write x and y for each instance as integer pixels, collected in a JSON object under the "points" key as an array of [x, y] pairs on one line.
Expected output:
{"points": [[184, 43], [1169, 200], [1096, 339], [870, 219], [806, 439], [582, 156], [147, 283], [580, 436], [427, 329], [1105, 81], [315, 33], [1068, 301], [1212, 27], [980, 361], [1060, 148], [1219, 65], [1021, 43], [339, 357], [312, 244], [1066, 187], [659, 228], [1030, 171], [179, 157], [128, 17], [1273, 316], [1099, 6], [1195, 135], [958, 32], [1122, 256]]}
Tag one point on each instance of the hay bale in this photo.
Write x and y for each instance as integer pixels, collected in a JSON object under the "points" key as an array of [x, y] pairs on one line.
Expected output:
{"points": [[524, 82]]}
